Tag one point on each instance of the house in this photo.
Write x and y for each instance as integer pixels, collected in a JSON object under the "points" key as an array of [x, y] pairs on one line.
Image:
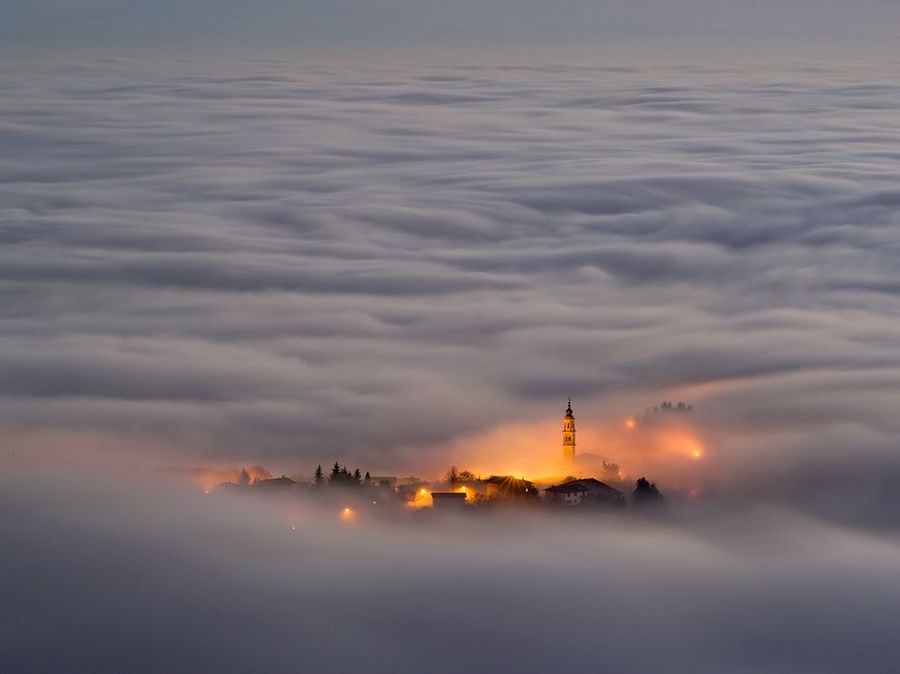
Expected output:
{"points": [[385, 481], [448, 500], [508, 487], [587, 491], [275, 483], [567, 494]]}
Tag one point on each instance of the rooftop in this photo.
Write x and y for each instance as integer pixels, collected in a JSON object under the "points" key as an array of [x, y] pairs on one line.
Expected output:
{"points": [[585, 485], [283, 481]]}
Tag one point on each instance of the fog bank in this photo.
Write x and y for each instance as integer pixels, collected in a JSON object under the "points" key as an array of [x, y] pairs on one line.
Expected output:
{"points": [[113, 574]]}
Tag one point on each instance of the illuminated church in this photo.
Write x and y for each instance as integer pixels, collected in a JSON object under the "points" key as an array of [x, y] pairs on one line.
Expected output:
{"points": [[568, 434]]}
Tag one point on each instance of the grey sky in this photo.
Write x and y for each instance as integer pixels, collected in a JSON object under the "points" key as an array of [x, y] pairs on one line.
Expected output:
{"points": [[322, 23]]}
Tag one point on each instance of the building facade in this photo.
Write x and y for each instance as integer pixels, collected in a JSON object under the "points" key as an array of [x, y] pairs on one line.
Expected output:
{"points": [[448, 500], [587, 491]]}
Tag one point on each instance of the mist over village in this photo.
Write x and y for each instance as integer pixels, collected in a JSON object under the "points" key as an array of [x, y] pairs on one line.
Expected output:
{"points": [[459, 490], [384, 337]]}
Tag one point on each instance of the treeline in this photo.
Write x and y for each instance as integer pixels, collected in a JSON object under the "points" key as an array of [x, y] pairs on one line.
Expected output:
{"points": [[341, 476], [668, 407]]}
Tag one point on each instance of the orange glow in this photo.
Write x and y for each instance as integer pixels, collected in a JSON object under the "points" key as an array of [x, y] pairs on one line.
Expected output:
{"points": [[421, 500], [347, 514], [664, 450], [211, 477]]}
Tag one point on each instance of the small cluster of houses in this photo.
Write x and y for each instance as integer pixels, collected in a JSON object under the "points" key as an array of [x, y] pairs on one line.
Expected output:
{"points": [[572, 493], [441, 496], [459, 490]]}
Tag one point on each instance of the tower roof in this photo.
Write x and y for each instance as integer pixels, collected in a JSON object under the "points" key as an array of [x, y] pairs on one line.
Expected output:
{"points": [[569, 412]]}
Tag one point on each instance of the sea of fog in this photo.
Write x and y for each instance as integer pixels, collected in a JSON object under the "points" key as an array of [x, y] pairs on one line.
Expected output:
{"points": [[206, 264], [118, 573], [293, 262]]}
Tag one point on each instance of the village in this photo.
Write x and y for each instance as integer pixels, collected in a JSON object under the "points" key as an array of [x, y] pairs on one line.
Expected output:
{"points": [[463, 490]]}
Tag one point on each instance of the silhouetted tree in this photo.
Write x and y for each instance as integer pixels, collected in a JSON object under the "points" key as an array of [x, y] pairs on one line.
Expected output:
{"points": [[368, 478], [467, 476], [320, 476], [343, 476], [646, 493], [452, 477], [258, 473], [244, 479], [610, 470]]}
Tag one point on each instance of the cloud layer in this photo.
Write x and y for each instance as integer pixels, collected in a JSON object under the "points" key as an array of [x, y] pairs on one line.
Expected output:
{"points": [[294, 261]]}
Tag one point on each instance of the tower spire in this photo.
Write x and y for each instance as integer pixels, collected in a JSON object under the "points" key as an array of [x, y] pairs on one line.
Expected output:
{"points": [[568, 433]]}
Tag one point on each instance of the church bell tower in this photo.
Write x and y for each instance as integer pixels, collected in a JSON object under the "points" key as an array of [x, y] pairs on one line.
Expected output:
{"points": [[568, 434]]}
